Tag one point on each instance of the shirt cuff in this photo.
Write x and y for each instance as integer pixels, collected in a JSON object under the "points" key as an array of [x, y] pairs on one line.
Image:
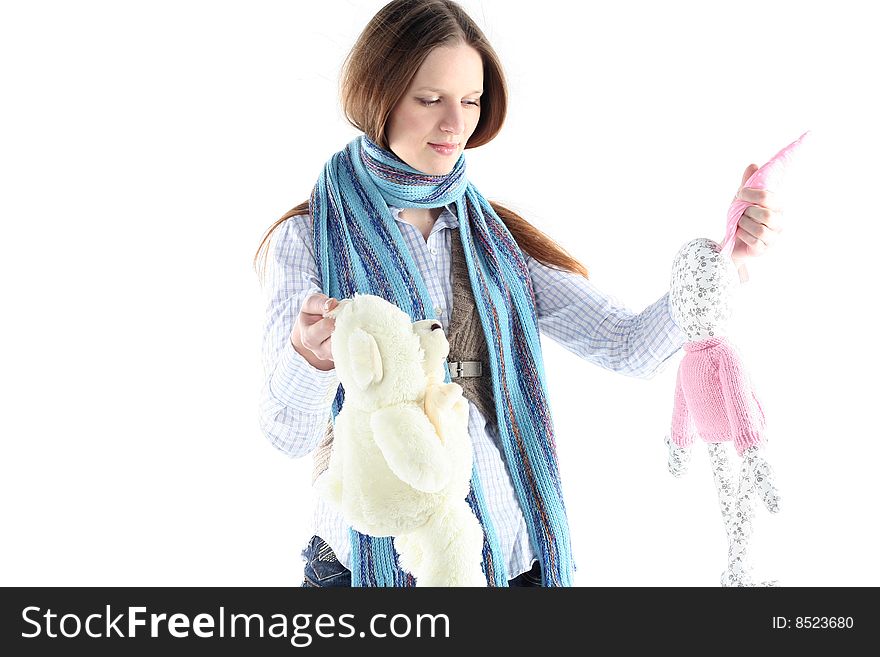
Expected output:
{"points": [[299, 385]]}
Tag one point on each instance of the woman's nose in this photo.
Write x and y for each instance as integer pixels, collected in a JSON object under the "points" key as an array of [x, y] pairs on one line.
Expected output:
{"points": [[453, 120]]}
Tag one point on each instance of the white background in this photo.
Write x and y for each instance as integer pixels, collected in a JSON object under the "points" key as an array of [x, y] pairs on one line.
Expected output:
{"points": [[146, 147]]}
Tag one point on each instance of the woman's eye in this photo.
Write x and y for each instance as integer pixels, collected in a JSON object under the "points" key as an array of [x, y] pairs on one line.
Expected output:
{"points": [[428, 103]]}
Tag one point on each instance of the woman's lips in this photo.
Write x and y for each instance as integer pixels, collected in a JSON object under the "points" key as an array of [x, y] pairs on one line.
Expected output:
{"points": [[444, 149]]}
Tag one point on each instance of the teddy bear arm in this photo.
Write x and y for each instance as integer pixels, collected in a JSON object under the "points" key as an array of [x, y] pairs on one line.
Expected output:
{"points": [[446, 407], [443, 395], [411, 448]]}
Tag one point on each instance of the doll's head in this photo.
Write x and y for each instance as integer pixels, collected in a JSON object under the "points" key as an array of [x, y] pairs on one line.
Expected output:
{"points": [[702, 291]]}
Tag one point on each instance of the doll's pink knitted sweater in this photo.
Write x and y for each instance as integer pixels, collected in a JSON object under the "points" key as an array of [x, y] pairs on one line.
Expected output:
{"points": [[714, 397]]}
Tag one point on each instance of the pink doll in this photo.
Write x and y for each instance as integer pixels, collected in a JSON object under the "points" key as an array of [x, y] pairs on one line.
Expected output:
{"points": [[714, 397], [715, 400]]}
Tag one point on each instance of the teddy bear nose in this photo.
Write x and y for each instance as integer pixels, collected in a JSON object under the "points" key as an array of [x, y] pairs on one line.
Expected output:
{"points": [[434, 327]]}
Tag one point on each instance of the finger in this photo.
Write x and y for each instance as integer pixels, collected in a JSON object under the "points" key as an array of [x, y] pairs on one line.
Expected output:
{"points": [[314, 335], [755, 244], [314, 303], [761, 223], [764, 197], [757, 229], [334, 307], [748, 173], [760, 215], [325, 350]]}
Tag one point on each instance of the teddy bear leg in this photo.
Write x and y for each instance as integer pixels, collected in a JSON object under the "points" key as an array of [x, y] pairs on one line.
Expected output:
{"points": [[409, 553], [452, 545]]}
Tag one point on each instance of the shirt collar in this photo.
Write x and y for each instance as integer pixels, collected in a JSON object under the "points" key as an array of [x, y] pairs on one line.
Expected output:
{"points": [[446, 219]]}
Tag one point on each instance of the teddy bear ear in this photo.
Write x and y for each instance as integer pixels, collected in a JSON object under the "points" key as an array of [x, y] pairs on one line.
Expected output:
{"points": [[365, 359]]}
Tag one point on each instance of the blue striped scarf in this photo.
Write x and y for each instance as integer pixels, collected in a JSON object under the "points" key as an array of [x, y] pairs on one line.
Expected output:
{"points": [[358, 248]]}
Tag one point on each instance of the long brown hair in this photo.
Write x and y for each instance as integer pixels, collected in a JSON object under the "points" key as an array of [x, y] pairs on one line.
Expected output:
{"points": [[379, 69]]}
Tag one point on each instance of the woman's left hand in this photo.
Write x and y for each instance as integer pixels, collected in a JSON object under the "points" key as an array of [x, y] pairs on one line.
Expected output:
{"points": [[760, 224]]}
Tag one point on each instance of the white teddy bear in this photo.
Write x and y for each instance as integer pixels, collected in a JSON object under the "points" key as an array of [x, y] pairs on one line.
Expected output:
{"points": [[402, 459]]}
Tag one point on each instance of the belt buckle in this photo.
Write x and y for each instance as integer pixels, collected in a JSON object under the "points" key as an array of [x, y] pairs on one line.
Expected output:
{"points": [[467, 368]]}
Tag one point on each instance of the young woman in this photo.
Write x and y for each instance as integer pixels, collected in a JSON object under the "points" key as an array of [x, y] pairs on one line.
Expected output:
{"points": [[394, 214]]}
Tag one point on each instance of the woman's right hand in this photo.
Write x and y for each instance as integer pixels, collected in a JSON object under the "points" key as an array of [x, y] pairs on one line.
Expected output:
{"points": [[311, 336]]}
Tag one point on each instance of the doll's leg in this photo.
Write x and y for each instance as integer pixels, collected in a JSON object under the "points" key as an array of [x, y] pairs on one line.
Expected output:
{"points": [[739, 567], [727, 498], [723, 484], [747, 495]]}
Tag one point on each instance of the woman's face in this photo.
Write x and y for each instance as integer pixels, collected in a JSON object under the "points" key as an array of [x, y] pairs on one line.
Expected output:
{"points": [[441, 106]]}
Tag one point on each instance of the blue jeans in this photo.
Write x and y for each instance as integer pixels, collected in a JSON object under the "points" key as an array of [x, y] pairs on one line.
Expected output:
{"points": [[323, 568]]}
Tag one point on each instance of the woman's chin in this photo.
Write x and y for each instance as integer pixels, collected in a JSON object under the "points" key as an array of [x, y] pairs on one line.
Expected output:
{"points": [[434, 169], [430, 163]]}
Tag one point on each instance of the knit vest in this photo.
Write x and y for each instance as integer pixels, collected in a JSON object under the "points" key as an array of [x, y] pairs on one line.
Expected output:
{"points": [[466, 343]]}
